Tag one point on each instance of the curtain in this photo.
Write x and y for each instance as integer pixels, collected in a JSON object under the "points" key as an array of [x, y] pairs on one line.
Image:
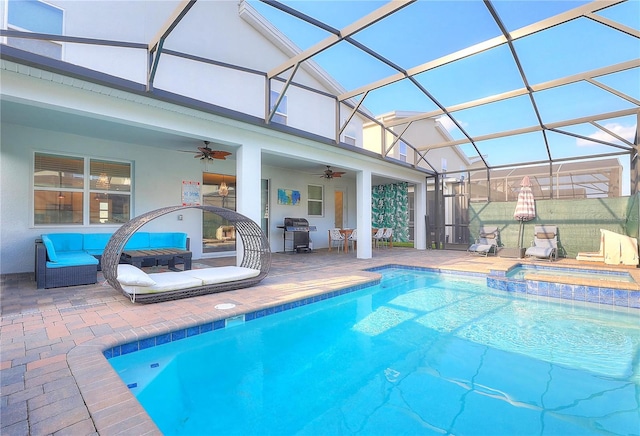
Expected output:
{"points": [[390, 208]]}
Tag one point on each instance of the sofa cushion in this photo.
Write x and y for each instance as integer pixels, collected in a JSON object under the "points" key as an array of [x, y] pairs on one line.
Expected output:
{"points": [[51, 250], [222, 274], [66, 241], [72, 258], [132, 276], [138, 241], [95, 243], [168, 240]]}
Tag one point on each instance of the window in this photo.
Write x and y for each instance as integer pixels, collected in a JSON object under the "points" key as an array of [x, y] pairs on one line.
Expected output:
{"points": [[38, 17], [315, 200], [280, 115], [402, 151], [63, 194]]}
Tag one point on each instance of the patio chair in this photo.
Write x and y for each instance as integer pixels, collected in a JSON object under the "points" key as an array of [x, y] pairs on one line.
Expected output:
{"points": [[353, 238], [336, 239], [487, 241], [386, 236], [378, 237], [544, 244]]}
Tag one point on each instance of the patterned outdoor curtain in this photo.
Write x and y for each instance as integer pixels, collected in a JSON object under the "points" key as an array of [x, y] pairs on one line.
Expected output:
{"points": [[390, 208]]}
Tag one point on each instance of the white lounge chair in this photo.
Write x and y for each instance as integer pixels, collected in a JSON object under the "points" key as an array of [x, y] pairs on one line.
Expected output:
{"points": [[544, 244], [486, 242]]}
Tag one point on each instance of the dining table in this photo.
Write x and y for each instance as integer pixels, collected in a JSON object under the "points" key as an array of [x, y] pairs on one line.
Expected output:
{"points": [[346, 233]]}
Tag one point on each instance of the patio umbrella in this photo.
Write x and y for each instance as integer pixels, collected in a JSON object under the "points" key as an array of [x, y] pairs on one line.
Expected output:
{"points": [[525, 207]]}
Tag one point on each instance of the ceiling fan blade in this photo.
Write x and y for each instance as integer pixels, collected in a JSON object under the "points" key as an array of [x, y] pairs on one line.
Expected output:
{"points": [[219, 154], [338, 173]]}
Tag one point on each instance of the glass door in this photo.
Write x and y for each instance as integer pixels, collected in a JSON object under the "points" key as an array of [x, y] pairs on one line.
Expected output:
{"points": [[219, 190], [264, 204]]}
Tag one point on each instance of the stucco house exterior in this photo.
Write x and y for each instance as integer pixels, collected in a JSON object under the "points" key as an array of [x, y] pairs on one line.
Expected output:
{"points": [[132, 103]]}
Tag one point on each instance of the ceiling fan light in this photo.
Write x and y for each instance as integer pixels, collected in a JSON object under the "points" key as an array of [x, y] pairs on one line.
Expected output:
{"points": [[223, 190], [103, 181]]}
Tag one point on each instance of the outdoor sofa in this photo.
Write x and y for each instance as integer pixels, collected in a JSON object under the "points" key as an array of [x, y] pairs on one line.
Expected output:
{"points": [[70, 259]]}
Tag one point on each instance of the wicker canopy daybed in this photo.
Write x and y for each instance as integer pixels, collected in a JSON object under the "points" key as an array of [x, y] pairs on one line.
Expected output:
{"points": [[253, 246]]}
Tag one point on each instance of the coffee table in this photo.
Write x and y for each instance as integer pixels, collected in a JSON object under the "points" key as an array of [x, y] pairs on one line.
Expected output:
{"points": [[158, 255]]}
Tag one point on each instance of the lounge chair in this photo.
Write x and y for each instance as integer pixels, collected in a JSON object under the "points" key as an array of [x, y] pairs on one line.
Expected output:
{"points": [[615, 249], [544, 244], [487, 241]]}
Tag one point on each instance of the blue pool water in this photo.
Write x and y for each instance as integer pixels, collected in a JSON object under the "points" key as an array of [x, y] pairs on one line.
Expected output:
{"points": [[420, 353]]}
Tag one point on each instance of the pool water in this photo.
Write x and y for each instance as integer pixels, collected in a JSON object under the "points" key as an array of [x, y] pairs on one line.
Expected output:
{"points": [[519, 272], [420, 353]]}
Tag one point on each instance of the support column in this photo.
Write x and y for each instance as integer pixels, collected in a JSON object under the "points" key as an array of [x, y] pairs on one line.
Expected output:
{"points": [[248, 175], [420, 212], [363, 202]]}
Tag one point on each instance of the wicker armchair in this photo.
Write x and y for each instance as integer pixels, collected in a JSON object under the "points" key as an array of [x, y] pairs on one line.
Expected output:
{"points": [[254, 248]]}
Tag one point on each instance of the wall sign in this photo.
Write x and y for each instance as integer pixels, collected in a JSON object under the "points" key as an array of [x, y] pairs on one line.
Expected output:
{"points": [[191, 193]]}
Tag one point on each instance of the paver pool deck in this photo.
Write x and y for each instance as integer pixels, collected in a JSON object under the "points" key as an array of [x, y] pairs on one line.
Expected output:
{"points": [[54, 378]]}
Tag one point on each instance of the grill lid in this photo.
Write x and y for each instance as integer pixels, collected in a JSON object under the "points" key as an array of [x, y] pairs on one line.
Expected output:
{"points": [[296, 222]]}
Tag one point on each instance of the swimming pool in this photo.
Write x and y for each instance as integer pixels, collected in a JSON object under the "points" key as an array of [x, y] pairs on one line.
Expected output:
{"points": [[420, 353]]}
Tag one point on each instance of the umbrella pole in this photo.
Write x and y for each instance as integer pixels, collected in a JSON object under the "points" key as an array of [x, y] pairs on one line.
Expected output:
{"points": [[520, 237]]}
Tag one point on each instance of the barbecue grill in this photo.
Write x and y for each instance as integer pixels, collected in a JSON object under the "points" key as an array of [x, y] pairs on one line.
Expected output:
{"points": [[296, 234]]}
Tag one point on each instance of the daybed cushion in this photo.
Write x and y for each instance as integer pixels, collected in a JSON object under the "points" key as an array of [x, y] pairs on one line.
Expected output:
{"points": [[222, 274], [165, 281], [132, 276]]}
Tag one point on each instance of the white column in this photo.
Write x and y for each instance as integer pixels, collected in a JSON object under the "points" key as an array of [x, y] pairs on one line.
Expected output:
{"points": [[363, 194], [248, 175], [420, 210]]}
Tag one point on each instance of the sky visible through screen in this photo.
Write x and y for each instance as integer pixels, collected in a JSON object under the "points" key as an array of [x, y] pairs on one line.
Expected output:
{"points": [[428, 30]]}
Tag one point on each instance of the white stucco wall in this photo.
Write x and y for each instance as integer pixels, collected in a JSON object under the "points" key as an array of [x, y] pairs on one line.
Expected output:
{"points": [[158, 172]]}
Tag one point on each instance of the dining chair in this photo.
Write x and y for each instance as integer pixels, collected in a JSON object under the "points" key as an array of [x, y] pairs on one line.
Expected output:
{"points": [[387, 235], [352, 240], [336, 239], [378, 237]]}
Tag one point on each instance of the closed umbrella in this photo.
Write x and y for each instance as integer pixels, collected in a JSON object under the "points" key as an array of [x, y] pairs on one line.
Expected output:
{"points": [[525, 207]]}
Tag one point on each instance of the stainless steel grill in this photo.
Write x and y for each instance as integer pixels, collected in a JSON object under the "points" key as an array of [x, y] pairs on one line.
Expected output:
{"points": [[296, 234]]}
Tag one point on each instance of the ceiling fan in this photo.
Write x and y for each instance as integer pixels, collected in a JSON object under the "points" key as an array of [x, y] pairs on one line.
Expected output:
{"points": [[330, 174], [207, 153]]}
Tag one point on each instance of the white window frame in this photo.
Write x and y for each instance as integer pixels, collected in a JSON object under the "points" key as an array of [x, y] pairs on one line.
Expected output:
{"points": [[402, 151], [280, 116], [88, 193], [315, 200]]}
